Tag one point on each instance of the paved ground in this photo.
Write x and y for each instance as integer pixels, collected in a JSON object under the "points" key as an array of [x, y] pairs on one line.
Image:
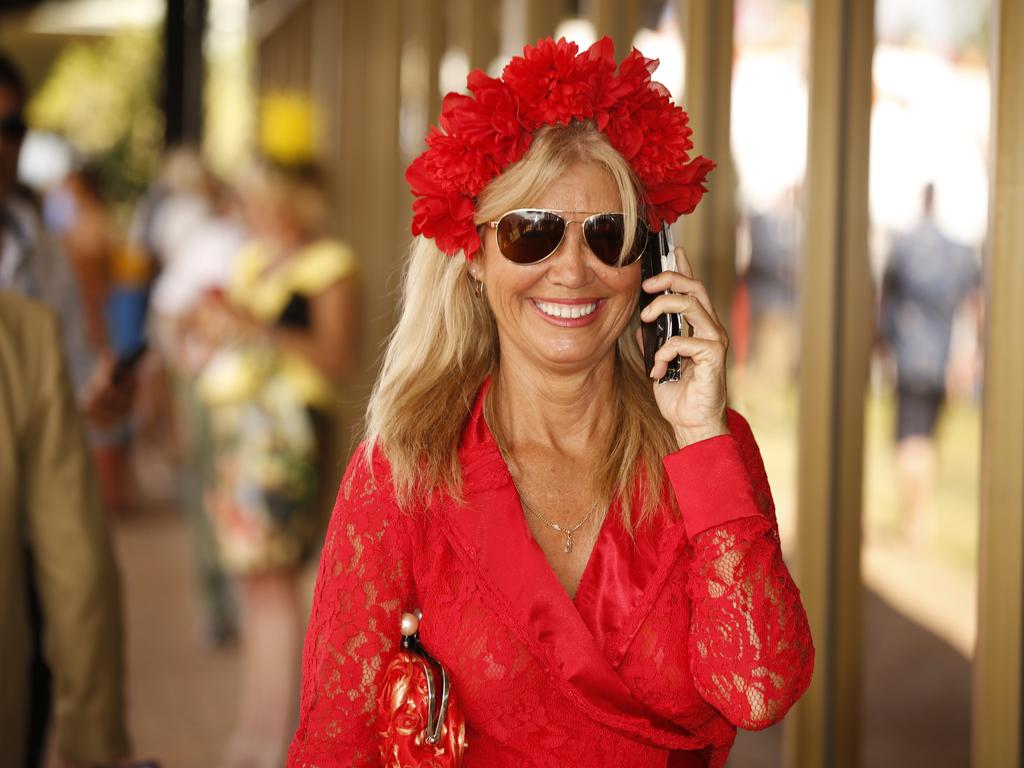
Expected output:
{"points": [[916, 699], [916, 687], [181, 694]]}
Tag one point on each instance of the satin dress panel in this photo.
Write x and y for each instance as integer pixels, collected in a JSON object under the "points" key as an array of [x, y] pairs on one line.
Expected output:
{"points": [[673, 640]]}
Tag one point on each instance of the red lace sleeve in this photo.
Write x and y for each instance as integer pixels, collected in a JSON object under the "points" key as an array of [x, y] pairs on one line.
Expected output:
{"points": [[363, 586], [751, 653]]}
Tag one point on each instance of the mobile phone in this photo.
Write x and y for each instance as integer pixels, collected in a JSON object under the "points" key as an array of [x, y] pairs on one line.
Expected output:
{"points": [[659, 255], [125, 364]]}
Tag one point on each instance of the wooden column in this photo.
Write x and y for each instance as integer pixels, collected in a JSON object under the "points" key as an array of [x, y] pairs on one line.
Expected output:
{"points": [[373, 204], [424, 46], [618, 18], [543, 17], [474, 27], [709, 233], [997, 709], [836, 307], [283, 32], [524, 22], [325, 91]]}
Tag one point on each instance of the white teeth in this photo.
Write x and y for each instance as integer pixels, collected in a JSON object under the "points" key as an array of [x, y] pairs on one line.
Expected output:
{"points": [[566, 311]]}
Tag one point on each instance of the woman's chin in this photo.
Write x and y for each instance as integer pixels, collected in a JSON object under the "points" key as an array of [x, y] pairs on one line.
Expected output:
{"points": [[568, 359]]}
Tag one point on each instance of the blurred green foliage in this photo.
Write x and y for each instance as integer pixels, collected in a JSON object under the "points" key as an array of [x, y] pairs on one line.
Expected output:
{"points": [[102, 96]]}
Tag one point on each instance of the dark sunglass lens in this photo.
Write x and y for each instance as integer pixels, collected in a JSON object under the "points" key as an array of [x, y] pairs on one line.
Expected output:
{"points": [[604, 234], [526, 237]]}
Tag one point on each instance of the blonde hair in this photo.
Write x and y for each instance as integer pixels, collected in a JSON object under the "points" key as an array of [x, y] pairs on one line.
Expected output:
{"points": [[446, 343], [300, 190]]}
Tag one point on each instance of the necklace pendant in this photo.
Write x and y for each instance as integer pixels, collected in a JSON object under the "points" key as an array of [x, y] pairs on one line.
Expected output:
{"points": [[568, 543]]}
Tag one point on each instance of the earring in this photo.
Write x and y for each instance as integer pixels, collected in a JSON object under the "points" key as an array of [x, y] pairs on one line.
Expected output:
{"points": [[478, 284]]}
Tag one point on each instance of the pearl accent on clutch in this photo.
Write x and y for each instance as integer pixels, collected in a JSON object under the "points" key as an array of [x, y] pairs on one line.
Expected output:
{"points": [[410, 624]]}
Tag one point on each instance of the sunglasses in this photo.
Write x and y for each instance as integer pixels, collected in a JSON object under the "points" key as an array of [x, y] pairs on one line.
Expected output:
{"points": [[530, 235], [13, 127]]}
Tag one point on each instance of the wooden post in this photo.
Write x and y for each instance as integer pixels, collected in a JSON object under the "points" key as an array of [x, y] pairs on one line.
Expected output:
{"points": [[836, 297], [425, 45], [543, 17], [618, 18], [373, 202], [997, 710], [325, 90], [709, 233], [474, 27], [524, 22]]}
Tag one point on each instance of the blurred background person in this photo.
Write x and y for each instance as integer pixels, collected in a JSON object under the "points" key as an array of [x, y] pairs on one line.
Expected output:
{"points": [[928, 278], [286, 328], [76, 213], [54, 539], [769, 284], [197, 251], [181, 200], [32, 266]]}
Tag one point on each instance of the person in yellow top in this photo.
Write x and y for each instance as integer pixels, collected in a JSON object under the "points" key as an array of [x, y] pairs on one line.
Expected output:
{"points": [[286, 331]]}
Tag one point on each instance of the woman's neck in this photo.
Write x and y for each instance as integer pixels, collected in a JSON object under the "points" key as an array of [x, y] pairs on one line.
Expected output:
{"points": [[565, 412]]}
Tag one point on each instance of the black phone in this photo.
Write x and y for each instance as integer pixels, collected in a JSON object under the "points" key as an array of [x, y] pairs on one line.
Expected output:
{"points": [[126, 364], [659, 255]]}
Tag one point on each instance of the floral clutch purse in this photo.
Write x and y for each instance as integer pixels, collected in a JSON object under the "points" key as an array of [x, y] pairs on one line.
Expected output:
{"points": [[419, 721]]}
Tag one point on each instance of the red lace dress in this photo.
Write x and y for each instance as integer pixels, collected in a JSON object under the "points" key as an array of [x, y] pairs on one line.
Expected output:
{"points": [[670, 643]]}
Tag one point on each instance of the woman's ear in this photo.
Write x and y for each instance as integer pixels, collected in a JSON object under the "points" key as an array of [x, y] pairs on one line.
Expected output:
{"points": [[476, 271]]}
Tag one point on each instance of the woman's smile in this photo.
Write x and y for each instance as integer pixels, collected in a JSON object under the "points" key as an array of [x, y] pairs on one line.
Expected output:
{"points": [[568, 313]]}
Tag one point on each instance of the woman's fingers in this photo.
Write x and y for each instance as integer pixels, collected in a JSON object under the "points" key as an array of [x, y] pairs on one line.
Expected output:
{"points": [[709, 351], [704, 324], [679, 283], [683, 263]]}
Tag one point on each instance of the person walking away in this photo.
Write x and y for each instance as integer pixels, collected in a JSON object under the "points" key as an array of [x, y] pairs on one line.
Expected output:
{"points": [[928, 278]]}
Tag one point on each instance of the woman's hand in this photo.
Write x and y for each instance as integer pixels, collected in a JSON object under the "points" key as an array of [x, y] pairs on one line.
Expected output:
{"points": [[694, 405], [219, 321]]}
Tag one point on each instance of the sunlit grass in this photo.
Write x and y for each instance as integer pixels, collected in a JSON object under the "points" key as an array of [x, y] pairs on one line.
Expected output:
{"points": [[773, 415], [958, 447]]}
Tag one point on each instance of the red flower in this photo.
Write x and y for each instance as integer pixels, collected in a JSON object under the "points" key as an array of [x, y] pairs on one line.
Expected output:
{"points": [[448, 221], [606, 88], [552, 87], [485, 131], [667, 202], [502, 127]]}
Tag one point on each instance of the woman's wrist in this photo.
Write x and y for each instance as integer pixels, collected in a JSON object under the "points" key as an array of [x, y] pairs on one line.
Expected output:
{"points": [[689, 435]]}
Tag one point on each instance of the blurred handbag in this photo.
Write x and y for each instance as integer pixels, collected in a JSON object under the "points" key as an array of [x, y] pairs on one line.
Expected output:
{"points": [[419, 721]]}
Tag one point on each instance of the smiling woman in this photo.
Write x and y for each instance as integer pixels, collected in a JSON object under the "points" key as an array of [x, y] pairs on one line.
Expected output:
{"points": [[595, 556]]}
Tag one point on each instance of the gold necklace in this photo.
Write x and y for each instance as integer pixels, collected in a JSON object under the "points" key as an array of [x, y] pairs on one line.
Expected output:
{"points": [[555, 526], [568, 532]]}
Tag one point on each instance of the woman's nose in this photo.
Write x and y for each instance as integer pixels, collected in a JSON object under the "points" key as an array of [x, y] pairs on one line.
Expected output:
{"points": [[569, 263]]}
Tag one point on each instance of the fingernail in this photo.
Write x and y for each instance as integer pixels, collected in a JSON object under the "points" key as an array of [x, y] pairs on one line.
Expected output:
{"points": [[646, 314], [648, 282]]}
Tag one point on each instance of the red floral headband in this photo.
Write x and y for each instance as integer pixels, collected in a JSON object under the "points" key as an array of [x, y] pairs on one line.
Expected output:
{"points": [[552, 84]]}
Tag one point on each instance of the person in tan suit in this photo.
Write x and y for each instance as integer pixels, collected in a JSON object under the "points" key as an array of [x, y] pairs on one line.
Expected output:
{"points": [[50, 508]]}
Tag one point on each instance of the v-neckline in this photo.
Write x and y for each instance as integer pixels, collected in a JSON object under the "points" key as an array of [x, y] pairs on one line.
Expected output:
{"points": [[620, 568], [489, 441], [581, 640]]}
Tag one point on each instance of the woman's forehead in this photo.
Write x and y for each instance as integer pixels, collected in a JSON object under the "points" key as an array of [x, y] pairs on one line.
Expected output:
{"points": [[583, 187]]}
